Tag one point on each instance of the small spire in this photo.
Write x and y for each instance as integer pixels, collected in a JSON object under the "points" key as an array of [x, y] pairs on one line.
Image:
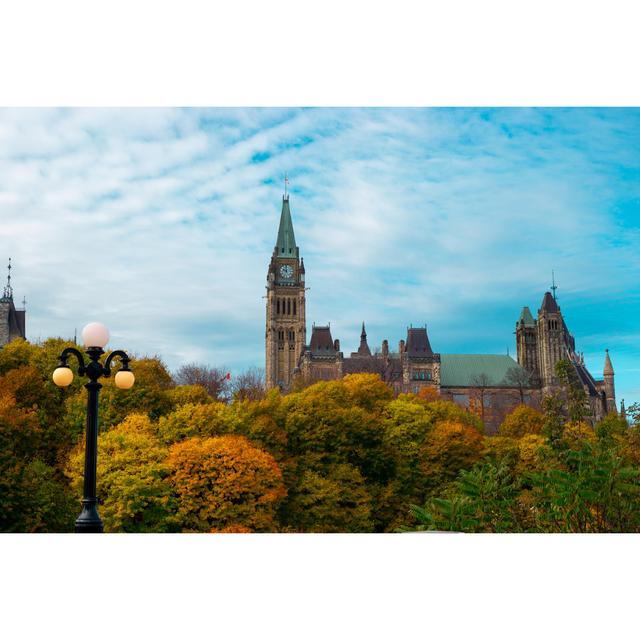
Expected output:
{"points": [[8, 291], [623, 411], [363, 350], [608, 367], [364, 333], [554, 286], [286, 184]]}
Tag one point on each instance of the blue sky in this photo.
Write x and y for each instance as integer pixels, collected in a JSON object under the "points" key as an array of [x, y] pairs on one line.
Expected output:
{"points": [[161, 222]]}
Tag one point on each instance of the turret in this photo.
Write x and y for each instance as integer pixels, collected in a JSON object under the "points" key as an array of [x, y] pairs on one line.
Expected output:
{"points": [[363, 349], [609, 386], [551, 339], [527, 342]]}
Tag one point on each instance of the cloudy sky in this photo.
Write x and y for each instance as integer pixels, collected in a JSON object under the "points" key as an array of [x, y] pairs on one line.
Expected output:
{"points": [[161, 222]]}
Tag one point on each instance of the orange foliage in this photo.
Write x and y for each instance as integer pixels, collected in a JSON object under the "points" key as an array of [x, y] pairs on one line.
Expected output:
{"points": [[428, 394], [225, 481]]}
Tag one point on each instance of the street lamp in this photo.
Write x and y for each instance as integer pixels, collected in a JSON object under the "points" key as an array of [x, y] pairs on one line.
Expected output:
{"points": [[94, 336]]}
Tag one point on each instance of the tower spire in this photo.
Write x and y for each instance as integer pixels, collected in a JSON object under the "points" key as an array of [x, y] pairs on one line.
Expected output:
{"points": [[286, 183], [8, 291], [286, 242]]}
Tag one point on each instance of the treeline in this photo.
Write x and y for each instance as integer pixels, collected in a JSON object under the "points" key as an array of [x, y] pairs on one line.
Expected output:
{"points": [[341, 456]]}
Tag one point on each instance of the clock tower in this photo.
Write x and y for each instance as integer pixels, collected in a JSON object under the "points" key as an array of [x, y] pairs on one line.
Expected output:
{"points": [[286, 331]]}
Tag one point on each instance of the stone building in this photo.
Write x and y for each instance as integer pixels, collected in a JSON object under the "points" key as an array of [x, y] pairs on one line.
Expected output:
{"points": [[12, 320], [543, 341], [490, 385]]}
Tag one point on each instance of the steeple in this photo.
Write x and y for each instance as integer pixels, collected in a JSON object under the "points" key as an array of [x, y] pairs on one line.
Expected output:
{"points": [[623, 411], [363, 349], [286, 242], [8, 290], [608, 367]]}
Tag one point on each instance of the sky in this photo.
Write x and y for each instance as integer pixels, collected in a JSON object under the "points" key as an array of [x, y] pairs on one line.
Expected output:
{"points": [[161, 223]]}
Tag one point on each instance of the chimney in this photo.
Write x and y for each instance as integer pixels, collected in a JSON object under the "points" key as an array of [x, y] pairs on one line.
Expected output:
{"points": [[401, 346], [336, 344], [385, 348]]}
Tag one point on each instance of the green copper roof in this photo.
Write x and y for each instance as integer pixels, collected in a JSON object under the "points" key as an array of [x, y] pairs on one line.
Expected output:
{"points": [[527, 318], [286, 243], [460, 370]]}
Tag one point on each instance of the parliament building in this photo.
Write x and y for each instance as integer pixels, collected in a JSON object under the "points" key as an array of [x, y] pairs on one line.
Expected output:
{"points": [[493, 385]]}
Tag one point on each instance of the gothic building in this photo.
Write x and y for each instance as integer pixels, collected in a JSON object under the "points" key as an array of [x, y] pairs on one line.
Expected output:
{"points": [[492, 385], [542, 342], [12, 320]]}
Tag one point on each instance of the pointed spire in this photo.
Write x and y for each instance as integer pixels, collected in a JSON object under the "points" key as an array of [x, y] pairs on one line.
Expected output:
{"points": [[286, 242], [608, 368], [549, 304], [364, 350], [526, 318], [8, 290], [623, 411]]}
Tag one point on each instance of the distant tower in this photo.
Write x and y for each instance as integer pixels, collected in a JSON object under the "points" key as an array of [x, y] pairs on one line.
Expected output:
{"points": [[286, 331], [609, 387], [527, 342], [363, 349], [623, 411], [12, 320], [551, 339]]}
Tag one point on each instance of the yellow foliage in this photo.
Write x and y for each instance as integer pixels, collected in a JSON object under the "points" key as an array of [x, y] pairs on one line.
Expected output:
{"points": [[534, 452], [195, 420], [576, 433], [523, 420], [367, 390]]}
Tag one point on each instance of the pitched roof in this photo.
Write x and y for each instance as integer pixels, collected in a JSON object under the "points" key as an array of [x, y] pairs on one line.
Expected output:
{"points": [[418, 343], [286, 242], [549, 304], [465, 370], [526, 318], [321, 342]]}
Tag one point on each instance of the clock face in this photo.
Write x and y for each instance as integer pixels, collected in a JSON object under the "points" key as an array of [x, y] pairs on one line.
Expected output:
{"points": [[286, 271]]}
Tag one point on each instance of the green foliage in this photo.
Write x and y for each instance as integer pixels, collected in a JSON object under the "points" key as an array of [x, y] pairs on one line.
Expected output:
{"points": [[334, 456], [332, 503]]}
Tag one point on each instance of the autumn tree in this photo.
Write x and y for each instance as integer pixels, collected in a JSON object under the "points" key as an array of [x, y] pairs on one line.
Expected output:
{"points": [[225, 481], [132, 485], [335, 502], [521, 421]]}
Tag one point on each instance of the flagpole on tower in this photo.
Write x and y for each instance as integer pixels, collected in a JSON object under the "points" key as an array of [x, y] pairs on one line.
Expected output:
{"points": [[286, 182]]}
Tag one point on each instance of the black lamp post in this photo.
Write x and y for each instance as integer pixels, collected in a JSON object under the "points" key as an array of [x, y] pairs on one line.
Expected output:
{"points": [[95, 336]]}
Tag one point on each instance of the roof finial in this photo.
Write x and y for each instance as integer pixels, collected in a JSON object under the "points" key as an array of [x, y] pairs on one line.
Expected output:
{"points": [[553, 285], [286, 183], [8, 291]]}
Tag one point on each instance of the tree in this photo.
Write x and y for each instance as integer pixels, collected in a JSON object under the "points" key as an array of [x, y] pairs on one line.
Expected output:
{"points": [[135, 495], [249, 385], [520, 378], [521, 421], [188, 420], [337, 502], [225, 481], [214, 380], [481, 382], [577, 402]]}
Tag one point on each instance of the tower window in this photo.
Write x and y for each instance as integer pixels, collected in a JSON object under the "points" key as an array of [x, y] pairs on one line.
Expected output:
{"points": [[288, 306], [278, 306], [294, 307]]}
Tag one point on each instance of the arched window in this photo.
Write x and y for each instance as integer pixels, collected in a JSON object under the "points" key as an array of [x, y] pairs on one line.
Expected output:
{"points": [[294, 307], [288, 306], [278, 306]]}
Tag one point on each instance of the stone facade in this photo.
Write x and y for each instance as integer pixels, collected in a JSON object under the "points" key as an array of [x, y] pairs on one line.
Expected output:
{"points": [[542, 342]]}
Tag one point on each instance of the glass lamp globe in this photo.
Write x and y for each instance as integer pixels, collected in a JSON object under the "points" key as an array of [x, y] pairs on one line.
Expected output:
{"points": [[63, 376], [95, 334], [124, 379]]}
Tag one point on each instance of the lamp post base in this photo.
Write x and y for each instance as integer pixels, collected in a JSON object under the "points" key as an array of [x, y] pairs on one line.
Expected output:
{"points": [[89, 521]]}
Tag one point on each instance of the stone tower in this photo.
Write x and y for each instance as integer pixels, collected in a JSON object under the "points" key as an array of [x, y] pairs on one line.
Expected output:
{"points": [[551, 339], [12, 320], [527, 342], [609, 387], [286, 332]]}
